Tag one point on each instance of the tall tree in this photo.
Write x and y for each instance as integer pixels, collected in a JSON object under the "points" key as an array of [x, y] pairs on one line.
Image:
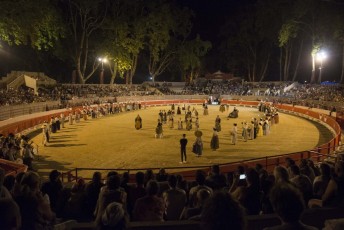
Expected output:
{"points": [[167, 28], [190, 57], [85, 18], [35, 23]]}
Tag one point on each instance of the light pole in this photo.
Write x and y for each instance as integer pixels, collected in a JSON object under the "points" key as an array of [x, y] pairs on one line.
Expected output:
{"points": [[321, 56], [101, 75]]}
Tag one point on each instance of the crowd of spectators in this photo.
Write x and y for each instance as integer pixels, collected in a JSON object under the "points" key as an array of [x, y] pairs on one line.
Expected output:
{"points": [[218, 201], [68, 92], [299, 93]]}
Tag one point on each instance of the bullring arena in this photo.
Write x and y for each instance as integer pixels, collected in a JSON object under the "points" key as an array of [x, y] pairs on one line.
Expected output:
{"points": [[112, 142]]}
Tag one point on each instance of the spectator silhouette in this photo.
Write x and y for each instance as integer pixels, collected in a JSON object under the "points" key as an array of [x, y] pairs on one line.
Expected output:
{"points": [[222, 212], [288, 203]]}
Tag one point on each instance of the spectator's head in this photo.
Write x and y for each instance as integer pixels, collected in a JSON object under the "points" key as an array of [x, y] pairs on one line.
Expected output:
{"points": [[54, 175], [172, 181], [149, 175], [215, 169], [30, 182], [9, 182], [221, 211], [289, 162], [339, 168], [200, 177], [281, 174], [287, 201], [79, 186], [140, 178], [114, 216], [325, 169], [113, 182], [152, 188], [294, 171], [97, 177], [112, 173], [125, 177], [252, 177], [303, 163], [9, 214], [2, 176]]}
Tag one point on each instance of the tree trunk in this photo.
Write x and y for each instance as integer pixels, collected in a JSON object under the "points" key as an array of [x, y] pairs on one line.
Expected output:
{"points": [[342, 74], [113, 73], [298, 61], [281, 66], [265, 68]]}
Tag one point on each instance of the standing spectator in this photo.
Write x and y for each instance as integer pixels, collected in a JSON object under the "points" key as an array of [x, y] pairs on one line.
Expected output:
{"points": [[151, 207], [174, 198], [183, 143]]}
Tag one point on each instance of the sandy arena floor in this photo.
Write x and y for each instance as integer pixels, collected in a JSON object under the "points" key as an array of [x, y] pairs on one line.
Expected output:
{"points": [[113, 142]]}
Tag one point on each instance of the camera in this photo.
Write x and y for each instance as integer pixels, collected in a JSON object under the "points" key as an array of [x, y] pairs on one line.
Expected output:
{"points": [[242, 176]]}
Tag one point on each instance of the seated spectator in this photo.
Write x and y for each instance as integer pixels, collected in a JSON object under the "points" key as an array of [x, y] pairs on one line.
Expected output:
{"points": [[4, 193], [221, 211], [35, 210], [281, 175], [306, 170], [288, 204], [162, 175], [137, 191], [149, 175], [216, 180], [182, 183], [114, 217], [249, 196], [124, 181], [9, 183], [202, 197], [320, 182], [150, 207], [316, 170], [108, 194], [334, 193], [174, 198], [9, 214], [92, 191], [200, 179], [302, 182], [76, 204], [53, 188]]}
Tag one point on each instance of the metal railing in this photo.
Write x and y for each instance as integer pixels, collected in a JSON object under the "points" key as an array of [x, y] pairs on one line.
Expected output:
{"points": [[268, 162]]}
